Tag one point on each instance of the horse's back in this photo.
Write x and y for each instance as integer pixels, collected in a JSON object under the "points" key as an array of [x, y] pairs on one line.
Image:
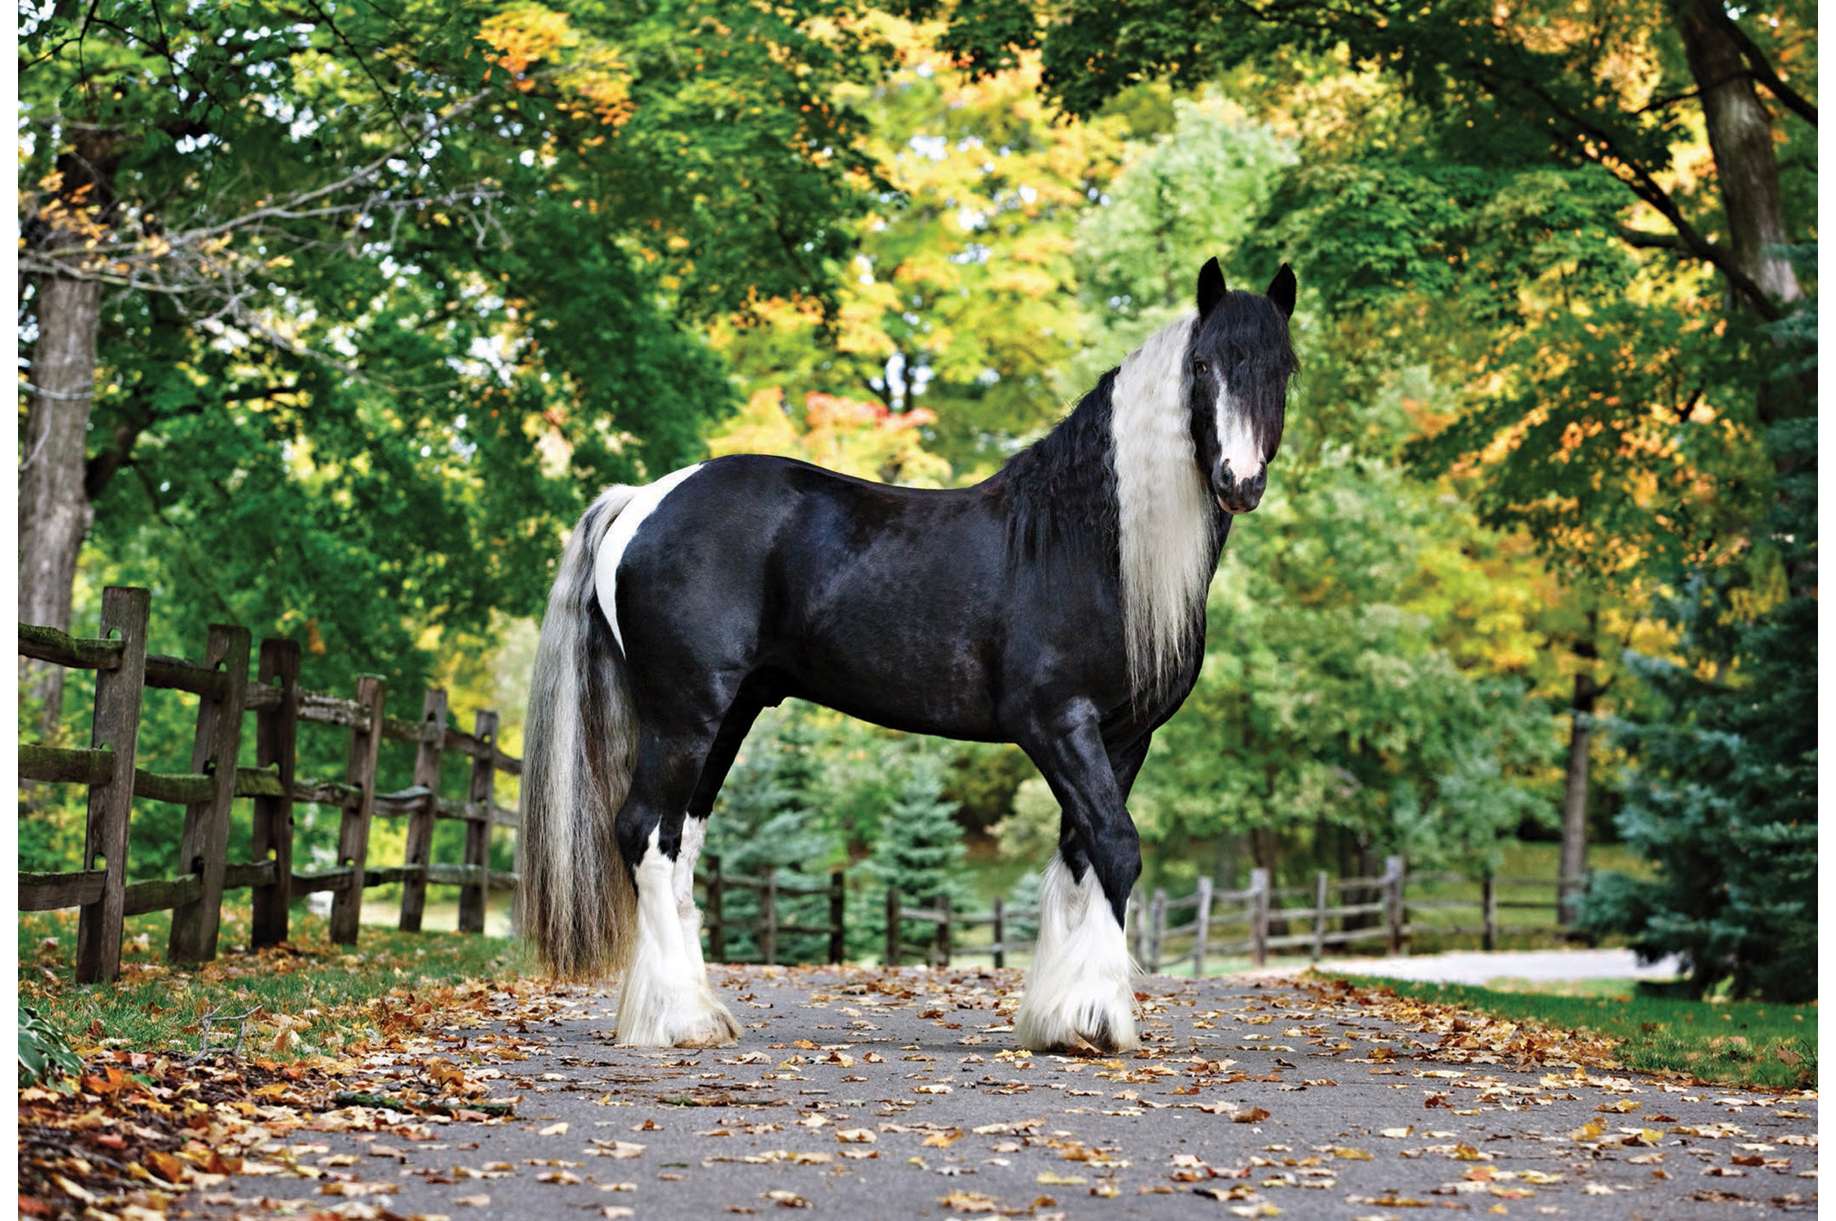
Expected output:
{"points": [[840, 589]]}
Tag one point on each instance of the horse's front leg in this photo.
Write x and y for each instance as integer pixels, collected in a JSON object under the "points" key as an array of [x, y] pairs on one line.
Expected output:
{"points": [[1081, 987]]}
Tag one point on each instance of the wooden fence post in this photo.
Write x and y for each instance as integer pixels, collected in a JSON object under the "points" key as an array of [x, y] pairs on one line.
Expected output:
{"points": [[1393, 891], [276, 743], [116, 725], [1201, 934], [717, 931], [892, 926], [1157, 928], [1489, 900], [943, 930], [204, 843], [354, 826], [838, 916], [419, 848], [1259, 917], [768, 928], [474, 896], [1000, 934], [1319, 914]]}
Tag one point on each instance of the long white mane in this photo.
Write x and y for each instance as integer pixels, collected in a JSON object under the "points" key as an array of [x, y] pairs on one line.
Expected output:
{"points": [[1163, 506]]}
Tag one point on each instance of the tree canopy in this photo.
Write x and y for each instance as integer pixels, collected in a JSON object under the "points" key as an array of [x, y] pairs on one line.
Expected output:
{"points": [[387, 292]]}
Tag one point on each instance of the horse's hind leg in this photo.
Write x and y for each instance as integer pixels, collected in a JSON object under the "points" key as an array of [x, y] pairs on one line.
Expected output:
{"points": [[1081, 987], [714, 768], [666, 1000]]}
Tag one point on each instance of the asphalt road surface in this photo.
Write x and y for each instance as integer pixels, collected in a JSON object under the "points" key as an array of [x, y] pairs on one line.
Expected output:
{"points": [[866, 1093]]}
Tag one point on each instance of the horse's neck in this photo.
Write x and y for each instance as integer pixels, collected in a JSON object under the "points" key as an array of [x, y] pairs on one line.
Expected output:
{"points": [[1060, 492]]}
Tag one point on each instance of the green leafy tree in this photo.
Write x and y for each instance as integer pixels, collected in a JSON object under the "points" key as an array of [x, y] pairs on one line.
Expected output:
{"points": [[1495, 192], [1333, 722], [960, 297], [1608, 89], [1369, 643], [379, 297]]}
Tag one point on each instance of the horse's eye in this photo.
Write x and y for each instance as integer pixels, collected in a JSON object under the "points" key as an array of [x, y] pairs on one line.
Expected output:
{"points": [[1200, 367]]}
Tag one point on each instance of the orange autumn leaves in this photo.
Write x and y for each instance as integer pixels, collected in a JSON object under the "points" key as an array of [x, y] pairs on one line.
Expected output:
{"points": [[592, 77]]}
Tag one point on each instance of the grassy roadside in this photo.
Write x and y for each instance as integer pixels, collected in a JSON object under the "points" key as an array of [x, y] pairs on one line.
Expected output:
{"points": [[305, 999], [1741, 1043]]}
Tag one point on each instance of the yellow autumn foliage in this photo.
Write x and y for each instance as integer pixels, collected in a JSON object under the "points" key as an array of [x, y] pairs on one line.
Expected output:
{"points": [[845, 435]]}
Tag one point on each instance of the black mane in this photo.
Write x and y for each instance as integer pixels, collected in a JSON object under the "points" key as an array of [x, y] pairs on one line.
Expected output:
{"points": [[1063, 486]]}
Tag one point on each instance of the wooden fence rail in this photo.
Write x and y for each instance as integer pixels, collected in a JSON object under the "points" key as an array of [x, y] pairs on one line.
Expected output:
{"points": [[213, 782], [1253, 916], [715, 884]]}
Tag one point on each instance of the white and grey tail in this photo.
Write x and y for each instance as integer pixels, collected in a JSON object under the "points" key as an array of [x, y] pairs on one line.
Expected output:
{"points": [[575, 898]]}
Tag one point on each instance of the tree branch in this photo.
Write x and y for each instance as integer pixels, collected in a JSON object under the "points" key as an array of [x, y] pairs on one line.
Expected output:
{"points": [[1638, 179], [1646, 240], [1761, 68]]}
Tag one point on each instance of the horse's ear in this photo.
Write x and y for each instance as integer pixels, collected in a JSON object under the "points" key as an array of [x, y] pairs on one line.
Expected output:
{"points": [[1281, 290], [1210, 287]]}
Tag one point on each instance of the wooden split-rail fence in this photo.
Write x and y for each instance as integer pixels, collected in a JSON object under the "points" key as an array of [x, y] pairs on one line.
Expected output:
{"points": [[280, 705], [1250, 913], [1212, 923], [1209, 923], [716, 883]]}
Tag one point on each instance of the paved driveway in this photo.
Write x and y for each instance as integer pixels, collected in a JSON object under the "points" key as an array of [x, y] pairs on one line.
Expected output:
{"points": [[866, 1093]]}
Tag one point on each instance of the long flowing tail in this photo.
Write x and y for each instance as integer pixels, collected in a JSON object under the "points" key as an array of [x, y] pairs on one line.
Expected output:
{"points": [[575, 900]]}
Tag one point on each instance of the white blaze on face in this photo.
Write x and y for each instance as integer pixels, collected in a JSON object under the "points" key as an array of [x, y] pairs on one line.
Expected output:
{"points": [[1236, 439]]}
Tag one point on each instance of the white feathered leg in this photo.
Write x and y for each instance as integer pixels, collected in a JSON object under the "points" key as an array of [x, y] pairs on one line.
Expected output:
{"points": [[1081, 987], [667, 1000], [694, 833]]}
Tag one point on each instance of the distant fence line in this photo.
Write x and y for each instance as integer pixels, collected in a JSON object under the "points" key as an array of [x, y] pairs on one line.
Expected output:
{"points": [[1251, 922], [715, 884], [1254, 919], [106, 767]]}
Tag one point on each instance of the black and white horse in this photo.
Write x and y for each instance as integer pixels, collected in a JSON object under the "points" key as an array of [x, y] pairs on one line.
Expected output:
{"points": [[1059, 605]]}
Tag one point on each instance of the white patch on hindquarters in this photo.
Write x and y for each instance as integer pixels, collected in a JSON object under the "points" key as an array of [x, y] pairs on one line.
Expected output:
{"points": [[1081, 985], [666, 1000], [1163, 505], [605, 566], [1236, 439]]}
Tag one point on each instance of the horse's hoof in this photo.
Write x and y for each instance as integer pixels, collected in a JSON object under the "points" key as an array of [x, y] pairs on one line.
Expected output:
{"points": [[683, 1021], [717, 1029], [1102, 1027]]}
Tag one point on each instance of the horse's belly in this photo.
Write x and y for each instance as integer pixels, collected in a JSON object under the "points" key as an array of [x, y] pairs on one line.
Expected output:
{"points": [[895, 675]]}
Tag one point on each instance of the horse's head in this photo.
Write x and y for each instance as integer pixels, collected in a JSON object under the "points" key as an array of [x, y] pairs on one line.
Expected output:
{"points": [[1239, 362]]}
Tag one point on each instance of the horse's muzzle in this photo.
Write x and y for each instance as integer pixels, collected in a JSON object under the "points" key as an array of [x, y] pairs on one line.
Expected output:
{"points": [[1238, 495]]}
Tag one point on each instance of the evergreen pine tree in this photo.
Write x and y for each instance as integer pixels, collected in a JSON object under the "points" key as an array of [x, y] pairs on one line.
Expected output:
{"points": [[766, 820], [1723, 798], [920, 849]]}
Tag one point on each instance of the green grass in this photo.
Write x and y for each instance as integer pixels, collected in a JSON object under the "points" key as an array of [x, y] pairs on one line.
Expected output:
{"points": [[1728, 1042], [330, 989]]}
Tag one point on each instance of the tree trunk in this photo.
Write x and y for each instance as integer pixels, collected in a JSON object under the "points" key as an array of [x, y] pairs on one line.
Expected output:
{"points": [[1740, 135], [54, 510], [1574, 801]]}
